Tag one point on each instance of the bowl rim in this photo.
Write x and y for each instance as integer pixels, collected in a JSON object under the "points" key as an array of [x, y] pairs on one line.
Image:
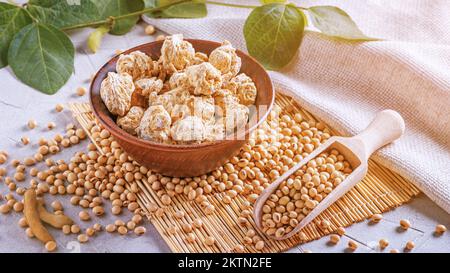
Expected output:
{"points": [[118, 132]]}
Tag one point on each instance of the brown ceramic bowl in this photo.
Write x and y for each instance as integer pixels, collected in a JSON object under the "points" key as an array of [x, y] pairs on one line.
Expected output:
{"points": [[183, 160]]}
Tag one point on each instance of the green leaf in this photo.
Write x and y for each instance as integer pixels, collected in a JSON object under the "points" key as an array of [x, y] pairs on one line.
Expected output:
{"points": [[185, 10], [333, 21], [193, 9], [42, 57], [273, 34], [150, 3], [12, 19], [120, 7], [264, 2], [66, 13], [95, 38], [160, 3]]}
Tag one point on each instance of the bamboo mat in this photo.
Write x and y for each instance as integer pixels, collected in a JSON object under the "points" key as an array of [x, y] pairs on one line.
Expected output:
{"points": [[381, 190]]}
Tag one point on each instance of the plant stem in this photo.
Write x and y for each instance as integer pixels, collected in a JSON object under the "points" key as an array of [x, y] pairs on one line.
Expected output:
{"points": [[230, 5], [240, 6]]}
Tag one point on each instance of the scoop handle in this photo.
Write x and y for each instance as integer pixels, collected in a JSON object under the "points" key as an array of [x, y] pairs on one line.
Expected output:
{"points": [[386, 127]]}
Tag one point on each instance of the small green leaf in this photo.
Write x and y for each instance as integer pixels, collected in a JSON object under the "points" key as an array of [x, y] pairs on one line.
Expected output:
{"points": [[273, 34], [120, 7], [192, 9], [12, 19], [95, 38], [42, 57], [333, 21], [264, 2]]}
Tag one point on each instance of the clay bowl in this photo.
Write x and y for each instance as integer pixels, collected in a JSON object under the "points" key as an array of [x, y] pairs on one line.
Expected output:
{"points": [[184, 160]]}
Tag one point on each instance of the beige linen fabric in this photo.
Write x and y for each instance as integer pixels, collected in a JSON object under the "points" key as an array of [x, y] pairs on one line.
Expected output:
{"points": [[346, 84]]}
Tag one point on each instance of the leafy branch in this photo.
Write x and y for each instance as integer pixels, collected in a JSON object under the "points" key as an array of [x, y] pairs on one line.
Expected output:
{"points": [[111, 20], [34, 40]]}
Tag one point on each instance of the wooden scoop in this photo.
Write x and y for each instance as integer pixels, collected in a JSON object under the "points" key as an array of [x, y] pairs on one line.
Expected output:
{"points": [[386, 127]]}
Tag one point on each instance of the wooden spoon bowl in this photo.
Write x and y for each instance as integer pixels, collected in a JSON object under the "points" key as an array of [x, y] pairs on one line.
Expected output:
{"points": [[184, 160]]}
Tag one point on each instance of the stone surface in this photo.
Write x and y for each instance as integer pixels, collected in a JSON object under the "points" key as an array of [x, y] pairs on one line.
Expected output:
{"points": [[19, 103]]}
